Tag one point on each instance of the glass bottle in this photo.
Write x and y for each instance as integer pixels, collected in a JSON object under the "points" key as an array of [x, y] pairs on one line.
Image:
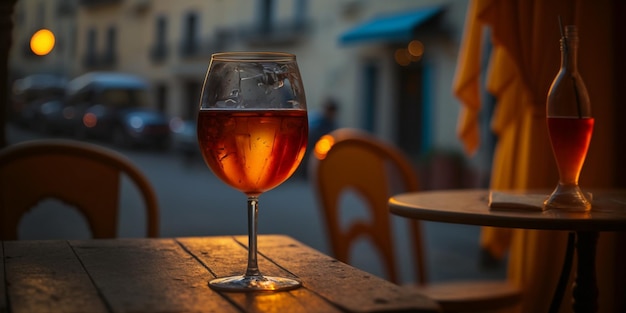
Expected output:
{"points": [[570, 126]]}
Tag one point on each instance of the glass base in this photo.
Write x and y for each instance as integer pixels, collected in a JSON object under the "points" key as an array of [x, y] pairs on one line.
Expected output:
{"points": [[254, 283], [567, 198]]}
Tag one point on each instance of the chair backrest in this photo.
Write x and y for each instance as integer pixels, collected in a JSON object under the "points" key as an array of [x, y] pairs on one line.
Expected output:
{"points": [[85, 176], [349, 159]]}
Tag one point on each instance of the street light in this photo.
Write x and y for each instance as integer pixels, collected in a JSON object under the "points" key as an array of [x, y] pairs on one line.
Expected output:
{"points": [[42, 42]]}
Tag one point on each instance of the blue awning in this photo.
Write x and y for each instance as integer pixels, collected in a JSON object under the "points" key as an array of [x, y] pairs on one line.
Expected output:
{"points": [[398, 27]]}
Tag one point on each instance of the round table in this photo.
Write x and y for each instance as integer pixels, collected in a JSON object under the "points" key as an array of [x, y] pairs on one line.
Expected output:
{"points": [[472, 207]]}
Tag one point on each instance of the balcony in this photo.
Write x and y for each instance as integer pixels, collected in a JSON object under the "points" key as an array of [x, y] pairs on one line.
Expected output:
{"points": [[108, 59], [90, 60], [158, 52], [99, 61], [204, 48], [281, 33], [189, 48], [66, 8], [94, 3]]}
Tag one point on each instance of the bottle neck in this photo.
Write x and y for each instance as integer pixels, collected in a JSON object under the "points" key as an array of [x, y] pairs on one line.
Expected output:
{"points": [[569, 53]]}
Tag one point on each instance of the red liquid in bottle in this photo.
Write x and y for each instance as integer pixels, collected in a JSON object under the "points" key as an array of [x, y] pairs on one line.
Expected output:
{"points": [[570, 137]]}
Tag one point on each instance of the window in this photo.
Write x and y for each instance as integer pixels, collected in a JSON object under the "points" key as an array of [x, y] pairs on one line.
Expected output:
{"points": [[277, 26], [190, 33], [161, 28], [267, 20], [300, 14], [265, 16], [109, 55], [159, 49], [90, 56], [41, 15], [91, 41]]}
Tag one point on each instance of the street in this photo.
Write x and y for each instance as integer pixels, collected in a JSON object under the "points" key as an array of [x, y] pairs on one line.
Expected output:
{"points": [[193, 202]]}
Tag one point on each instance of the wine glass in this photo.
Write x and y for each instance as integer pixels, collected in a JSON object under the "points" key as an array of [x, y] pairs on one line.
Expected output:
{"points": [[252, 132]]}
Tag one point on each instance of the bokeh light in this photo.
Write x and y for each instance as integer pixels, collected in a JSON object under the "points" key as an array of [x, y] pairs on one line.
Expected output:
{"points": [[90, 120], [412, 53], [323, 145], [402, 57], [42, 42], [416, 48]]}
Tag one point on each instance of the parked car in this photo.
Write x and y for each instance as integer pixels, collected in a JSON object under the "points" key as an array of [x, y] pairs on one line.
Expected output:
{"points": [[55, 117], [30, 93], [114, 107]]}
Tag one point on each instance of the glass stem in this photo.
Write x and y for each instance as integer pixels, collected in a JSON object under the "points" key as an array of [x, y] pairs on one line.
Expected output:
{"points": [[253, 209]]}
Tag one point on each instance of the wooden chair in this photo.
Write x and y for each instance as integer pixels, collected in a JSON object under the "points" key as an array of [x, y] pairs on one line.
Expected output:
{"points": [[348, 159], [83, 175]]}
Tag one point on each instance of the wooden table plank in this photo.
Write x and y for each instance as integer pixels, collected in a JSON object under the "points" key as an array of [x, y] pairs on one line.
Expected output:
{"points": [[225, 257], [149, 275], [171, 275], [46, 276], [348, 287]]}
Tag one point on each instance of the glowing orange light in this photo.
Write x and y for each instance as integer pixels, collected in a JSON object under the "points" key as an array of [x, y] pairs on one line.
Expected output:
{"points": [[42, 42], [402, 57], [322, 146], [416, 48], [90, 120]]}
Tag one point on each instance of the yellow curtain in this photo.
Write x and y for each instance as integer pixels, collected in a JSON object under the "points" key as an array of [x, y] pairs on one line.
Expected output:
{"points": [[525, 58]]}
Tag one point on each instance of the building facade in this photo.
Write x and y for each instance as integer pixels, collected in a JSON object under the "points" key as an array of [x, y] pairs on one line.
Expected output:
{"points": [[30, 16], [404, 98]]}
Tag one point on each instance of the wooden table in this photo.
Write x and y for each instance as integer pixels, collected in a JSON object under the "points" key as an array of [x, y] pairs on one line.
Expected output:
{"points": [[608, 213], [171, 275]]}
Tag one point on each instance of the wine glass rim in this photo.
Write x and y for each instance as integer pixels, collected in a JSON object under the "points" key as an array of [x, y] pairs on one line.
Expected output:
{"points": [[260, 56]]}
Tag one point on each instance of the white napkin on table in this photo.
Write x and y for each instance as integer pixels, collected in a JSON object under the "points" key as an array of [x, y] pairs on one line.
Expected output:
{"points": [[500, 200]]}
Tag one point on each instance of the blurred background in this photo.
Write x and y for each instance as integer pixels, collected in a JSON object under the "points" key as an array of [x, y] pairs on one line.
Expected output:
{"points": [[135, 69]]}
